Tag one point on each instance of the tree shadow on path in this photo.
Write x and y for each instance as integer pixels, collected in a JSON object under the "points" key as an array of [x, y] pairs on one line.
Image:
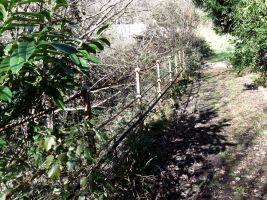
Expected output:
{"points": [[175, 159]]}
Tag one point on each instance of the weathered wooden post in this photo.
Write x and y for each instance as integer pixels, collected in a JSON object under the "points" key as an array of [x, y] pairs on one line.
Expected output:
{"points": [[170, 70], [180, 62], [180, 59], [183, 63], [87, 106], [170, 74], [138, 95], [138, 88], [159, 80], [88, 117], [176, 63]]}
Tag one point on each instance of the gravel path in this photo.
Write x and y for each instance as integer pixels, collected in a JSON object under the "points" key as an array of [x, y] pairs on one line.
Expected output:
{"points": [[218, 65]]}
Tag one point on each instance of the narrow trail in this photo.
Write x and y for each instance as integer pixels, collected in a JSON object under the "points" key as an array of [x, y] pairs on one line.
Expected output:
{"points": [[216, 147], [240, 170]]}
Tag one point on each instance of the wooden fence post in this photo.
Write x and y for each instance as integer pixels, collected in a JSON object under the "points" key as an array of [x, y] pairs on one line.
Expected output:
{"points": [[159, 79], [183, 62], [176, 63], [180, 59], [138, 96], [170, 74], [138, 88], [183, 56], [170, 70], [88, 117]]}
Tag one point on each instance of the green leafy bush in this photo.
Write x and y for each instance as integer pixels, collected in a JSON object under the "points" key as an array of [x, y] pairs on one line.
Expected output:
{"points": [[41, 62], [247, 21], [251, 31], [43, 57]]}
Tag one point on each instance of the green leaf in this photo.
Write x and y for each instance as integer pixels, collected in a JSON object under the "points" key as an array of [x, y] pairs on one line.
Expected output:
{"points": [[89, 48], [105, 41], [3, 143], [79, 150], [16, 63], [83, 64], [63, 158], [49, 142], [3, 12], [94, 47], [4, 2], [80, 62], [54, 172], [24, 16], [90, 57], [88, 154], [46, 14], [5, 65], [92, 122], [100, 136], [2, 196], [21, 55], [64, 48], [64, 65], [59, 102], [98, 44], [100, 31], [71, 164], [5, 94], [48, 161], [8, 48], [54, 93], [11, 26], [70, 153], [12, 4], [75, 59], [26, 49], [83, 181], [93, 59]]}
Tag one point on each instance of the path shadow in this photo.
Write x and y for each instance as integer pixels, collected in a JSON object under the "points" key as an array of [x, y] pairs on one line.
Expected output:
{"points": [[250, 86], [175, 159]]}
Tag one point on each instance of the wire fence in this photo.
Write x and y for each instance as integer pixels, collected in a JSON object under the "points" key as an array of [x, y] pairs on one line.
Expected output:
{"points": [[148, 88], [138, 98]]}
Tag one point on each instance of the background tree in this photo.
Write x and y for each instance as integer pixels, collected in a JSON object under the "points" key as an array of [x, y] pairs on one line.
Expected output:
{"points": [[247, 21]]}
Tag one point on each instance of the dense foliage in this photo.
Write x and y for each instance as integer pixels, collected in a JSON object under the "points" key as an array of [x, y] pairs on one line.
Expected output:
{"points": [[221, 13], [41, 62], [247, 21]]}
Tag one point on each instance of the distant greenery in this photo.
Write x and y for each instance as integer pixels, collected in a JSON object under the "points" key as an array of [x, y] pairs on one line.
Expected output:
{"points": [[247, 21], [221, 56], [220, 12]]}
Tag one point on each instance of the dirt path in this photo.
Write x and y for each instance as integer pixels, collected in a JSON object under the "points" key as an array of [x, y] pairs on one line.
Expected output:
{"points": [[216, 148], [240, 171]]}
